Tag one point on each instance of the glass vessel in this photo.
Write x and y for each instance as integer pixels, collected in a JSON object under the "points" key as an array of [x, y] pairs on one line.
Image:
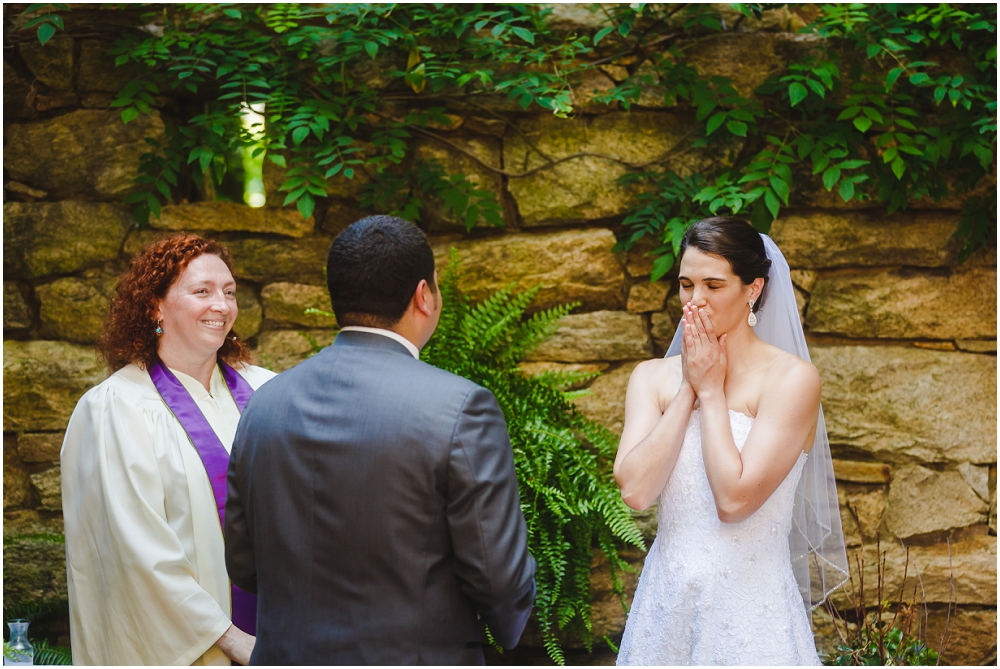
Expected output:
{"points": [[18, 651]]}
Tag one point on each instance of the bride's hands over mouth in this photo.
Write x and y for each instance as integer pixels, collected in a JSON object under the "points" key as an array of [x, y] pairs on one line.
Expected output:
{"points": [[703, 355]]}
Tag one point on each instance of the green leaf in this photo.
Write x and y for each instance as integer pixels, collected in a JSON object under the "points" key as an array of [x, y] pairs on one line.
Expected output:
{"points": [[372, 49], [153, 204], [277, 159], [299, 134], [852, 164], [524, 34], [898, 167], [780, 188], [919, 78], [163, 188], [772, 202], [205, 159], [129, 114], [830, 177], [738, 128], [714, 122], [602, 33], [893, 75], [816, 87], [862, 123], [846, 190], [850, 112], [306, 205], [797, 93], [661, 266], [45, 32], [233, 13], [873, 114], [984, 154], [890, 154]]}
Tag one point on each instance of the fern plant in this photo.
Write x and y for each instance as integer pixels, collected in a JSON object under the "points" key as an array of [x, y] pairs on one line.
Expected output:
{"points": [[563, 460]]}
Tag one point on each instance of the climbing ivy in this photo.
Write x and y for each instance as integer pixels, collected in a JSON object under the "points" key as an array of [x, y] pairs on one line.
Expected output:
{"points": [[886, 102], [346, 89], [895, 103]]}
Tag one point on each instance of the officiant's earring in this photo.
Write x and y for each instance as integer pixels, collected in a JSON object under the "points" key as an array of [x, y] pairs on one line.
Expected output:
{"points": [[159, 327], [752, 318]]}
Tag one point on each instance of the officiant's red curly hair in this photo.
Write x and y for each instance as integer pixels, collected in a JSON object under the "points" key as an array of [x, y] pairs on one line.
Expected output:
{"points": [[130, 333]]}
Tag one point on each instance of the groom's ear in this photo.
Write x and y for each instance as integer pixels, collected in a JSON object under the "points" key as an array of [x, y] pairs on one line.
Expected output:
{"points": [[424, 298]]}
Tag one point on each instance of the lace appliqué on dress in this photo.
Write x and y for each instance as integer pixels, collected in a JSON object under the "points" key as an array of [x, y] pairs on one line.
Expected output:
{"points": [[714, 593]]}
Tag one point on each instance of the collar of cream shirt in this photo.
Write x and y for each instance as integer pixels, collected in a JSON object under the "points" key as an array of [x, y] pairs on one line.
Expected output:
{"points": [[386, 333]]}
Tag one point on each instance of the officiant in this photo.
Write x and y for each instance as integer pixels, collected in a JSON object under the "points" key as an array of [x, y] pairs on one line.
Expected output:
{"points": [[144, 468]]}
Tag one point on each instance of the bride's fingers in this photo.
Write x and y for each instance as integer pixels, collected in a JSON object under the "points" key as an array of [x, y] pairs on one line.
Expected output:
{"points": [[699, 323], [709, 328], [691, 318]]}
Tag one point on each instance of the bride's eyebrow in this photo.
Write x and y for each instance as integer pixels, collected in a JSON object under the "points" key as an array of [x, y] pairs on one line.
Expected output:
{"points": [[705, 280]]}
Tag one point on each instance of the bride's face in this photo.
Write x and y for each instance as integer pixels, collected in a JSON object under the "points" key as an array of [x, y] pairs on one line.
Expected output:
{"points": [[708, 281]]}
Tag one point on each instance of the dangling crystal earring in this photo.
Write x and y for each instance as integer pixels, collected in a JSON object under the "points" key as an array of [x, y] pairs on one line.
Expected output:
{"points": [[752, 318], [159, 327]]}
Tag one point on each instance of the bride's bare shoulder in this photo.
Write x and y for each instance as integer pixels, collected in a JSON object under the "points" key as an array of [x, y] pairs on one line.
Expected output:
{"points": [[789, 373], [658, 373]]}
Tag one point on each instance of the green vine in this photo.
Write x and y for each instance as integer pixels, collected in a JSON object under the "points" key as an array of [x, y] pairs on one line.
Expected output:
{"points": [[848, 112], [886, 102], [331, 79]]}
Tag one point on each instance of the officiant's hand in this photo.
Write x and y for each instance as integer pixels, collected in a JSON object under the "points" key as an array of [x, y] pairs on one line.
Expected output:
{"points": [[237, 645], [703, 356]]}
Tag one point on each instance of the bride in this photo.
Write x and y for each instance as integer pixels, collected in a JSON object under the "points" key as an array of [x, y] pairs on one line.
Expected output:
{"points": [[727, 432]]}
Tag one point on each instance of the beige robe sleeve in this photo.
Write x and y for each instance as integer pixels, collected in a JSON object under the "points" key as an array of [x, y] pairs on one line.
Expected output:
{"points": [[135, 595]]}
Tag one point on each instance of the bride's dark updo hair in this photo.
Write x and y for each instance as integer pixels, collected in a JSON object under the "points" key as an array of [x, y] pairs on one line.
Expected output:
{"points": [[737, 242]]}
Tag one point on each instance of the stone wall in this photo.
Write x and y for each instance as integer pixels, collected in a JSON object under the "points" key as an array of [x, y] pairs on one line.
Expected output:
{"points": [[903, 334]]}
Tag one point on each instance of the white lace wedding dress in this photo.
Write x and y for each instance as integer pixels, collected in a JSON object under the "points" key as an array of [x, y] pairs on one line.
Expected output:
{"points": [[718, 593]]}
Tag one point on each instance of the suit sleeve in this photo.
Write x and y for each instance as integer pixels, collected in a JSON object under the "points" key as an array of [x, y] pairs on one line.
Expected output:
{"points": [[240, 561], [487, 527]]}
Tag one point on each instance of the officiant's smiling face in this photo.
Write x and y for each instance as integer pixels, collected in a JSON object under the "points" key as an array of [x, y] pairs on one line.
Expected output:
{"points": [[199, 308], [708, 281]]}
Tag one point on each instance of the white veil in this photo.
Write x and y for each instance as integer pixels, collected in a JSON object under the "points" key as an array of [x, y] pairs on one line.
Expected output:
{"points": [[816, 542]]}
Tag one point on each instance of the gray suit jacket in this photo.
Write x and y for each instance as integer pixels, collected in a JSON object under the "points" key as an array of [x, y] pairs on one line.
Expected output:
{"points": [[373, 508]]}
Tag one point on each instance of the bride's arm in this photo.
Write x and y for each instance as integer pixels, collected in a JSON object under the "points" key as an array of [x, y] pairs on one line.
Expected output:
{"points": [[651, 439], [784, 427]]}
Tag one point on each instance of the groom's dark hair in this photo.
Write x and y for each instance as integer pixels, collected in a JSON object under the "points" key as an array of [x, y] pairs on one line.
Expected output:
{"points": [[373, 269]]}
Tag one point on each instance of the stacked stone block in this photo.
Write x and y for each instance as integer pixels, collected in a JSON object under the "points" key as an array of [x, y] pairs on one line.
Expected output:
{"points": [[903, 334]]}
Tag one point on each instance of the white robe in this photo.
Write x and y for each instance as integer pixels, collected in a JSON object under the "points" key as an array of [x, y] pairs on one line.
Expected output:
{"points": [[144, 548]]}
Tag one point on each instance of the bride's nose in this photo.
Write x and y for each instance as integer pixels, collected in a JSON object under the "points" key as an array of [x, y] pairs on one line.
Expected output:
{"points": [[699, 297]]}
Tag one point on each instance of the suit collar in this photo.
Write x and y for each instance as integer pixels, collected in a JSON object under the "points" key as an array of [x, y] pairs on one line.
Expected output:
{"points": [[395, 336], [369, 340]]}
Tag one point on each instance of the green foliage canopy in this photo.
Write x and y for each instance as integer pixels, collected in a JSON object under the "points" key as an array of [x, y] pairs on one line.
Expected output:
{"points": [[890, 102], [337, 93]]}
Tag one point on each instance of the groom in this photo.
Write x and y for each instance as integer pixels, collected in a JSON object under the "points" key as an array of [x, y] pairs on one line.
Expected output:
{"points": [[372, 501]]}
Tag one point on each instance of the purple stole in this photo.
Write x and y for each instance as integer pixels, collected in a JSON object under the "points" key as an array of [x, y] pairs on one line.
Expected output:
{"points": [[213, 455]]}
